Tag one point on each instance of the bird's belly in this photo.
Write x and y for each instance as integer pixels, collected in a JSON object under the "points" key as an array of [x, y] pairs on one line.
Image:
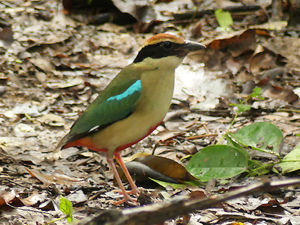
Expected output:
{"points": [[125, 133], [138, 125]]}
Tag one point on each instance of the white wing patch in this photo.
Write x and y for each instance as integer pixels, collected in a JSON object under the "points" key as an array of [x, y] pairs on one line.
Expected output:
{"points": [[93, 128]]}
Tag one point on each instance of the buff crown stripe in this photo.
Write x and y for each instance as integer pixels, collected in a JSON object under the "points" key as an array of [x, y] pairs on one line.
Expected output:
{"points": [[163, 37]]}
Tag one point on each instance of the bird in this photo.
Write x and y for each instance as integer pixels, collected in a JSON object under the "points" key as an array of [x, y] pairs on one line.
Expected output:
{"points": [[133, 104]]}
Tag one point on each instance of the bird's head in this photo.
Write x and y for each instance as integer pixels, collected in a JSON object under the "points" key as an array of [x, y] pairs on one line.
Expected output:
{"points": [[166, 48]]}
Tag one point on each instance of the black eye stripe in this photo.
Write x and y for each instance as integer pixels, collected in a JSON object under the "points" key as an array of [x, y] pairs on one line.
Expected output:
{"points": [[159, 50], [167, 44]]}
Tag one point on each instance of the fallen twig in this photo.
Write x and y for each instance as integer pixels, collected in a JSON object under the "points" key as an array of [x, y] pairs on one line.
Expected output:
{"points": [[178, 206]]}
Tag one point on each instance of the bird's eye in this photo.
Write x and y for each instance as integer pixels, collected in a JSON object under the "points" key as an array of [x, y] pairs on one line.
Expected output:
{"points": [[167, 44]]}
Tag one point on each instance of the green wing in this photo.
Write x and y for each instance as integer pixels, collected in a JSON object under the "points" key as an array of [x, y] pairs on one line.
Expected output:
{"points": [[115, 103]]}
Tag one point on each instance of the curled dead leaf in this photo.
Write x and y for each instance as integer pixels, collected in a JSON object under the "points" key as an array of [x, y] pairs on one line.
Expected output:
{"points": [[52, 120], [158, 168]]}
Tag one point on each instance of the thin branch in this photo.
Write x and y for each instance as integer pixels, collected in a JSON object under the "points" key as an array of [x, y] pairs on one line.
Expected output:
{"points": [[182, 205]]}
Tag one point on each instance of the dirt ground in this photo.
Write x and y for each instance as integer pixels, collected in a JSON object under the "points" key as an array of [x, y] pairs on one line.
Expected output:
{"points": [[54, 63]]}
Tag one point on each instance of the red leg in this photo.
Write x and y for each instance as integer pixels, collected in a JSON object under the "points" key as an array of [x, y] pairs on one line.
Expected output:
{"points": [[126, 196], [129, 178]]}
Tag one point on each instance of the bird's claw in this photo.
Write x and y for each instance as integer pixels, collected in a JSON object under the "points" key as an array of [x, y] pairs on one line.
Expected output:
{"points": [[130, 201], [132, 192]]}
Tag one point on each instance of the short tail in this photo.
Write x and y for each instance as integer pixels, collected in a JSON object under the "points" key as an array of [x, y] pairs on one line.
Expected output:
{"points": [[61, 144]]}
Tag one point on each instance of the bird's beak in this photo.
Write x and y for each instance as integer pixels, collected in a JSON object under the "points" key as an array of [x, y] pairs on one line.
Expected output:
{"points": [[193, 46]]}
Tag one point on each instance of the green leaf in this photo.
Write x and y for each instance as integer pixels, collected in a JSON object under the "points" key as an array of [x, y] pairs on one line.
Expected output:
{"points": [[261, 136], [66, 207], [256, 93], [258, 168], [230, 142], [218, 161], [291, 162], [241, 107], [224, 18]]}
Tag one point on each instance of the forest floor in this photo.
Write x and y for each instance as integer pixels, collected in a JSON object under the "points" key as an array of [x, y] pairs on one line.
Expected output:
{"points": [[54, 63]]}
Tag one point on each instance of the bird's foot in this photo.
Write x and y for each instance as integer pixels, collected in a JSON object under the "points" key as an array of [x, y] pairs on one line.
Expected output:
{"points": [[131, 192], [130, 201], [127, 198]]}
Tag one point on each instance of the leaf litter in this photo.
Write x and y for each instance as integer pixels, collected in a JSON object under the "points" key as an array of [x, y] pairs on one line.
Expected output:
{"points": [[53, 66]]}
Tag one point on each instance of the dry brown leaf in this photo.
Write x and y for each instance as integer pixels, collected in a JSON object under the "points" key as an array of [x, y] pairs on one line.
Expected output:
{"points": [[57, 178], [166, 166]]}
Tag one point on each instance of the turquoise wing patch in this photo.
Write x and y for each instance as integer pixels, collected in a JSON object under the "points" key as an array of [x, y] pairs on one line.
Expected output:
{"points": [[134, 88]]}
